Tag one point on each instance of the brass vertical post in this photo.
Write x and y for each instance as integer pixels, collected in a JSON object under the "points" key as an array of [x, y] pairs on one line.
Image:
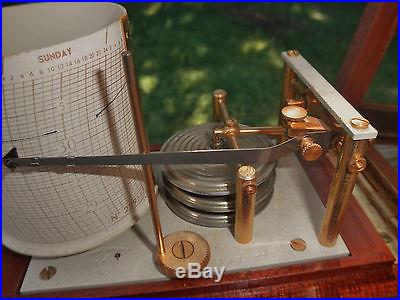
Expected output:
{"points": [[246, 186], [219, 97], [246, 189], [134, 95], [221, 114], [350, 163], [287, 89]]}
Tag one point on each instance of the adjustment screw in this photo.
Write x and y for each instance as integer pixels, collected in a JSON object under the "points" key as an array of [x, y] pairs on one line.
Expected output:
{"points": [[309, 149], [47, 273], [298, 244]]}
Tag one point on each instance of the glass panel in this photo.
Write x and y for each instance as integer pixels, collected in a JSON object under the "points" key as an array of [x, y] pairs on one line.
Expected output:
{"points": [[383, 89]]}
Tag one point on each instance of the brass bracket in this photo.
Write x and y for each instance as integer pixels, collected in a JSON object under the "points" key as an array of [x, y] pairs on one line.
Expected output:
{"points": [[351, 134], [295, 123]]}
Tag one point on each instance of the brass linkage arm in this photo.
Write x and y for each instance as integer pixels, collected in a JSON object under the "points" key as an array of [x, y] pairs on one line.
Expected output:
{"points": [[267, 130]]}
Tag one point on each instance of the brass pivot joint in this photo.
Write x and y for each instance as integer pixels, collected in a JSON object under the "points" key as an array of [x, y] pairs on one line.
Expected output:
{"points": [[231, 127], [337, 143], [309, 149], [217, 140]]}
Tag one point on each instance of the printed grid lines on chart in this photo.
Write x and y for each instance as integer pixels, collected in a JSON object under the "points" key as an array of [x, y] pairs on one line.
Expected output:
{"points": [[56, 116]]}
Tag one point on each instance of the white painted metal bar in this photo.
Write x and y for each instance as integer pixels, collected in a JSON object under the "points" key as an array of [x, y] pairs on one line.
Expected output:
{"points": [[330, 98]]}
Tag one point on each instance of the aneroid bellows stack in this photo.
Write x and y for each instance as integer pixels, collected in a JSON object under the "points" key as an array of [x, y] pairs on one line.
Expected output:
{"points": [[205, 194]]}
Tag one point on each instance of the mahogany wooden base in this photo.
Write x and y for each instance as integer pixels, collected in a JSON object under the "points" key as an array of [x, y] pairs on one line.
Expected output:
{"points": [[368, 272]]}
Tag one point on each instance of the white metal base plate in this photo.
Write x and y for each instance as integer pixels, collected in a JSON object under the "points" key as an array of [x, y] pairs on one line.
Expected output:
{"points": [[295, 211]]}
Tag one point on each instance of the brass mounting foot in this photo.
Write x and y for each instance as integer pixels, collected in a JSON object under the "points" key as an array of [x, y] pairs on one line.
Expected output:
{"points": [[181, 249]]}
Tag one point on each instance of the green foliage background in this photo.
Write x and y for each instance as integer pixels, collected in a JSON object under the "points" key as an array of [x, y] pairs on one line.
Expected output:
{"points": [[185, 51]]}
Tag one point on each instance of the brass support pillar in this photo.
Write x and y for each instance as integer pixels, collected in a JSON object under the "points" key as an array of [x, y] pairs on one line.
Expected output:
{"points": [[246, 186], [351, 162], [220, 112], [133, 90], [287, 93], [246, 189], [287, 90]]}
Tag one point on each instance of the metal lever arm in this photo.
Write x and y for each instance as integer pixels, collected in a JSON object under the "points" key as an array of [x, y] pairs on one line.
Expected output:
{"points": [[224, 156]]}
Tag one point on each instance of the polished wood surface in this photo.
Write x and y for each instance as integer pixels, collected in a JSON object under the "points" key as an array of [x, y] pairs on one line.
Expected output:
{"points": [[368, 271], [374, 33], [381, 169]]}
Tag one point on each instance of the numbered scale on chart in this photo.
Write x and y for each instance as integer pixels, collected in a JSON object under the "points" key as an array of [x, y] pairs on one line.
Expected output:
{"points": [[68, 99]]}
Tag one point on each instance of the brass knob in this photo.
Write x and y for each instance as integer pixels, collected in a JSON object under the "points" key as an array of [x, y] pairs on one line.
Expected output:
{"points": [[181, 249], [310, 150]]}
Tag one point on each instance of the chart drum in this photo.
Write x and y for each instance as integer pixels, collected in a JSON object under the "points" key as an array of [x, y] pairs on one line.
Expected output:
{"points": [[65, 93]]}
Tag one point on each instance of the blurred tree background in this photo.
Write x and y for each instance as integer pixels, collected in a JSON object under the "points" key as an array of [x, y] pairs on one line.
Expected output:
{"points": [[184, 51]]}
